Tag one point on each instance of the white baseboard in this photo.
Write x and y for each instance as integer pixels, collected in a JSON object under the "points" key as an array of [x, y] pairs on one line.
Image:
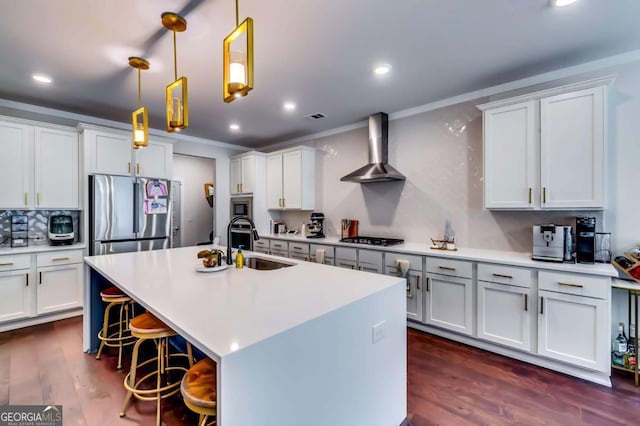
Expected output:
{"points": [[28, 322]]}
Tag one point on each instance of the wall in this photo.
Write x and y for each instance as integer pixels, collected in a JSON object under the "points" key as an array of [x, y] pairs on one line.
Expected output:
{"points": [[196, 218], [440, 153]]}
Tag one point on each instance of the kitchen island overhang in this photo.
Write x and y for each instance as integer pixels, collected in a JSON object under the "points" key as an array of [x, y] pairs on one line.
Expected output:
{"points": [[306, 343]]}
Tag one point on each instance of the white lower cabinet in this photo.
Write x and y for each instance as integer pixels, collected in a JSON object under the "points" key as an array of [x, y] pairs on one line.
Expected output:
{"points": [[299, 251], [59, 288], [504, 314], [329, 253], [574, 329], [449, 303], [415, 278], [15, 294], [346, 258], [261, 246], [370, 261], [574, 318]]}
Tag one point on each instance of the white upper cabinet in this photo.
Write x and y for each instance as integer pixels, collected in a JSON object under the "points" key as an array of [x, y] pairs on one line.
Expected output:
{"points": [[572, 149], [154, 161], [16, 144], [111, 153], [56, 169], [291, 179], [243, 173], [511, 156], [42, 166], [546, 150]]}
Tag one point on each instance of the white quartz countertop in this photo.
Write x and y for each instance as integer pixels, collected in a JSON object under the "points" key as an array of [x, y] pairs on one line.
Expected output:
{"points": [[471, 254], [38, 248], [222, 312]]}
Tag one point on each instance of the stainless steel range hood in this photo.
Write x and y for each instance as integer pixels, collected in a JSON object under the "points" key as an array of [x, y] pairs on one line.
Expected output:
{"points": [[377, 170]]}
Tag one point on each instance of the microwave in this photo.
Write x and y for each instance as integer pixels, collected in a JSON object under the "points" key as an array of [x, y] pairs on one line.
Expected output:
{"points": [[241, 206]]}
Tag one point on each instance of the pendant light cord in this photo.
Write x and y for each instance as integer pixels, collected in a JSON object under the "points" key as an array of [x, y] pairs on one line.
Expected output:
{"points": [[139, 96], [237, 19], [175, 56]]}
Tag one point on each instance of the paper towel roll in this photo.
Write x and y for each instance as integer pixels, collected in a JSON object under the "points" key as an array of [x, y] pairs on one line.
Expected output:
{"points": [[320, 255], [403, 267]]}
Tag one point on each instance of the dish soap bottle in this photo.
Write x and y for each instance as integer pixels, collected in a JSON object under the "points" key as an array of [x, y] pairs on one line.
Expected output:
{"points": [[239, 258]]}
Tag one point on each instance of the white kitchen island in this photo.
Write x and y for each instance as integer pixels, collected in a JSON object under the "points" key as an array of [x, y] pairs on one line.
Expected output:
{"points": [[306, 344]]}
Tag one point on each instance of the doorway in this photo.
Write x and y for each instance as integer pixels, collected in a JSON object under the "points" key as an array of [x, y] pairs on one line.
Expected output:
{"points": [[195, 214]]}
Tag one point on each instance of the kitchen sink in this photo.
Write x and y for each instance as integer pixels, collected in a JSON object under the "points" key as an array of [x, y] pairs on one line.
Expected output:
{"points": [[262, 264]]}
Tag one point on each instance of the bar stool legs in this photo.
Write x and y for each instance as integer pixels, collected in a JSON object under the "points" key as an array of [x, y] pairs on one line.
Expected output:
{"points": [[116, 334], [146, 327]]}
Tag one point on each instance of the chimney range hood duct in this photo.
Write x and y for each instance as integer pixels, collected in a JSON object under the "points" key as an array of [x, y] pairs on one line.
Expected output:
{"points": [[377, 170]]}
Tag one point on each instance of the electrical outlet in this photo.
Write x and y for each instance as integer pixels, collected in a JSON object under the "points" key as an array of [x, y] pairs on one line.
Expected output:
{"points": [[378, 332]]}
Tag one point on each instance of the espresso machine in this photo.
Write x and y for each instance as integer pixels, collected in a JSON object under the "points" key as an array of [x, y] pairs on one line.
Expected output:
{"points": [[315, 228]]}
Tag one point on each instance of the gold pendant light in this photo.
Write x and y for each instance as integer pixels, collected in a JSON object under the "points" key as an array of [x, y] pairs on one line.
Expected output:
{"points": [[238, 60], [140, 117], [177, 100]]}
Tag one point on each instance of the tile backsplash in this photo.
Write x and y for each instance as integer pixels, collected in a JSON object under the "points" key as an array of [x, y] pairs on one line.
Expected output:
{"points": [[38, 225]]}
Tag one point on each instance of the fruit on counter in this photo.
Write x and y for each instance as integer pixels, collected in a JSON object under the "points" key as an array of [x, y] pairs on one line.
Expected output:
{"points": [[211, 258], [205, 253]]}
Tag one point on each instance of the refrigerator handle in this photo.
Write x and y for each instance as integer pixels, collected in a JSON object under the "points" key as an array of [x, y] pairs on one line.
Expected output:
{"points": [[136, 207]]}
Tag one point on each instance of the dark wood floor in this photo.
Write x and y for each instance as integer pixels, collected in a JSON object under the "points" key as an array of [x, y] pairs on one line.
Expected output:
{"points": [[448, 384]]}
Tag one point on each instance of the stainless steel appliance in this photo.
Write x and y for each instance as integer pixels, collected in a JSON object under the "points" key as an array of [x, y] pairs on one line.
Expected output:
{"points": [[176, 234], [61, 230], [377, 170], [552, 243], [241, 206], [585, 239], [316, 227], [372, 241], [128, 214]]}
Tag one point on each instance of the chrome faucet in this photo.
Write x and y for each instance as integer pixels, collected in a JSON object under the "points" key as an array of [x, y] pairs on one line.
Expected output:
{"points": [[253, 231]]}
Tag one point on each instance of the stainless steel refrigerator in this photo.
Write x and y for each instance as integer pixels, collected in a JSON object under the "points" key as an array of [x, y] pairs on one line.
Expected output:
{"points": [[128, 214]]}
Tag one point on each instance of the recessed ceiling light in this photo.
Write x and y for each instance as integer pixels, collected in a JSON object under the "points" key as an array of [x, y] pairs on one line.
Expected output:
{"points": [[560, 3], [234, 127], [382, 69], [41, 78], [289, 106]]}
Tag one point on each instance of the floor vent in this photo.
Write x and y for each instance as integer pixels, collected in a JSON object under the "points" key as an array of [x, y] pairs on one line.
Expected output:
{"points": [[316, 116]]}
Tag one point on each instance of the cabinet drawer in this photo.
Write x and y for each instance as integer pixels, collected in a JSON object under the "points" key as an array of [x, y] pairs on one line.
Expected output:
{"points": [[15, 261], [283, 253], [579, 284], [55, 258], [370, 256], [329, 251], [455, 268], [278, 245], [299, 248], [415, 262], [521, 277], [261, 243], [345, 253]]}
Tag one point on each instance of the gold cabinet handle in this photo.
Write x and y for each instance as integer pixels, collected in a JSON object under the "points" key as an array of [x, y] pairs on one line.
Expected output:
{"points": [[26, 196], [37, 198], [240, 187], [530, 193], [137, 168], [502, 276], [570, 284], [129, 167], [544, 195], [526, 302], [56, 259], [447, 268], [6, 263]]}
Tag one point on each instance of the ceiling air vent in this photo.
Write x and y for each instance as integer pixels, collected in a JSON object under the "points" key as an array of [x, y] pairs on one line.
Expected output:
{"points": [[316, 116]]}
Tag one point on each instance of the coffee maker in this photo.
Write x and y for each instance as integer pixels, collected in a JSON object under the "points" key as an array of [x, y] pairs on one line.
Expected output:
{"points": [[315, 228], [585, 239]]}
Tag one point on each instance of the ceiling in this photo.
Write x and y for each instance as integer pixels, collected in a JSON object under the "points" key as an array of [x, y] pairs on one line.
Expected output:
{"points": [[318, 54]]}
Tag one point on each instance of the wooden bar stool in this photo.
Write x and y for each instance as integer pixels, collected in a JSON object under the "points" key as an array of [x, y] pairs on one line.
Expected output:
{"points": [[116, 334], [147, 327], [198, 389]]}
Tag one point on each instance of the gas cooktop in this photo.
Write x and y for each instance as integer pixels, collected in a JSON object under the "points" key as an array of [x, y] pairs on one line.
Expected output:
{"points": [[372, 241]]}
